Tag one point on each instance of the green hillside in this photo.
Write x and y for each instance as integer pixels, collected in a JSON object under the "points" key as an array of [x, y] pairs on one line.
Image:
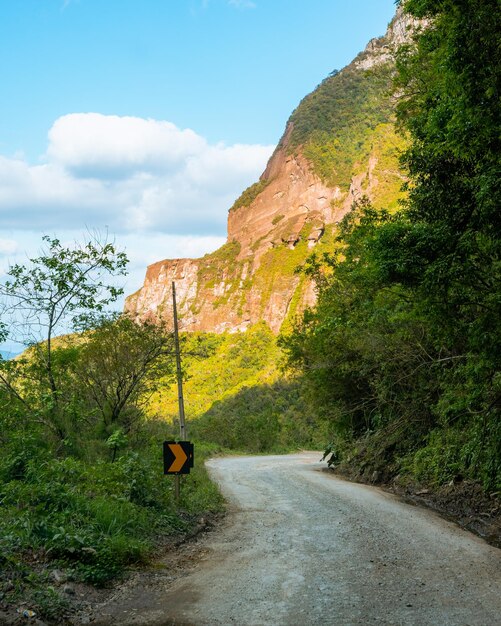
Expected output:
{"points": [[237, 397], [217, 367], [347, 119], [334, 124]]}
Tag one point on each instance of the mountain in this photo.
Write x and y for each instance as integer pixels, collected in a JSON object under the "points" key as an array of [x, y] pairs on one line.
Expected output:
{"points": [[339, 144], [6, 355]]}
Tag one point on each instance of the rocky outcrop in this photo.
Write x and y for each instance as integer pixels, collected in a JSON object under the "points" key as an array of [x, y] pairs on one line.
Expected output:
{"points": [[252, 277], [382, 49], [294, 197], [156, 293]]}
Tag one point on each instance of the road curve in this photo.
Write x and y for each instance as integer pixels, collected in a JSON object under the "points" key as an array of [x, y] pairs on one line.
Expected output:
{"points": [[302, 547]]}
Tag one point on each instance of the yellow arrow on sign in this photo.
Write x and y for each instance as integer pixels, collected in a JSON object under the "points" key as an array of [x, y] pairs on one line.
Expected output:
{"points": [[180, 459]]}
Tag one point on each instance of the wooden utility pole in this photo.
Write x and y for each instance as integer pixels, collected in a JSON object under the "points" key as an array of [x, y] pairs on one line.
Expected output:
{"points": [[182, 422]]}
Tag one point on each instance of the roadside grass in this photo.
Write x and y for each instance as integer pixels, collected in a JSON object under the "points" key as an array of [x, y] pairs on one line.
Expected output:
{"points": [[90, 520]]}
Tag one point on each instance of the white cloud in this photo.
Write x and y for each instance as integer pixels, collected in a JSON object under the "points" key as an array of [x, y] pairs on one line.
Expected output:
{"points": [[129, 174], [94, 145], [162, 192], [204, 167]]}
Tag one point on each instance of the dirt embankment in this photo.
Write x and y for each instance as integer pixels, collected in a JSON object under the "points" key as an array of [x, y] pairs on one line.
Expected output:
{"points": [[463, 502]]}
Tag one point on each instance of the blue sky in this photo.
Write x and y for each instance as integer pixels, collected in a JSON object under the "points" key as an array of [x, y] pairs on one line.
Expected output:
{"points": [[232, 71], [149, 117]]}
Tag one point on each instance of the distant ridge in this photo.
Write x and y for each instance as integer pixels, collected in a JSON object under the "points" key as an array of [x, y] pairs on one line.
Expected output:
{"points": [[7, 355]]}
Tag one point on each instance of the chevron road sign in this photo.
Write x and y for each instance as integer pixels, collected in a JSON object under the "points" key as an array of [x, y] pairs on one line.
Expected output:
{"points": [[178, 457]]}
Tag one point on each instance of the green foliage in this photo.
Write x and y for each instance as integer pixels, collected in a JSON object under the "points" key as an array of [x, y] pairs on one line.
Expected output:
{"points": [[335, 123], [278, 266], [386, 177], [198, 493], [59, 287], [117, 440], [250, 194], [53, 509], [262, 418], [450, 80], [223, 255], [375, 364], [222, 262], [217, 367], [236, 398], [452, 211], [401, 352], [103, 378], [119, 366], [81, 476], [95, 519]]}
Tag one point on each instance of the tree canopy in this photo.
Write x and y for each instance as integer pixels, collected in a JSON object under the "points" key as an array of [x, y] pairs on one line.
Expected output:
{"points": [[402, 349]]}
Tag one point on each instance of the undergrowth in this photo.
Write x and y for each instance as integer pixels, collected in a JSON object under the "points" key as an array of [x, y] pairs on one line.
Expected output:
{"points": [[91, 519]]}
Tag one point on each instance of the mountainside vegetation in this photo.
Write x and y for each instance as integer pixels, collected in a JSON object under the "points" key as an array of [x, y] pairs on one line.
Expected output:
{"points": [[217, 367], [81, 484], [334, 123], [250, 194], [236, 396], [402, 350], [395, 371]]}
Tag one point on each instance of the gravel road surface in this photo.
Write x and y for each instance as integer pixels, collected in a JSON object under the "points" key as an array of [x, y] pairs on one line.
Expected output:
{"points": [[301, 547]]}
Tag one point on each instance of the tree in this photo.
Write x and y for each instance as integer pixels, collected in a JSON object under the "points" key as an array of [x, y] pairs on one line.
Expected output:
{"points": [[50, 295], [362, 350], [119, 366], [450, 83], [403, 346]]}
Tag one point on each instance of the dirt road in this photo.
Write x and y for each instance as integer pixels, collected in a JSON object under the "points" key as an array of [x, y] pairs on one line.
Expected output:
{"points": [[301, 547]]}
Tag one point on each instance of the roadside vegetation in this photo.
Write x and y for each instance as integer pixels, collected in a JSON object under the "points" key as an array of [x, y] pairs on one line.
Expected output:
{"points": [[269, 418], [82, 491], [401, 354], [396, 371]]}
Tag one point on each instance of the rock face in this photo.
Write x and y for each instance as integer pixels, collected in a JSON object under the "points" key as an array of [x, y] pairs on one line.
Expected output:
{"points": [[274, 226], [252, 277], [293, 197], [382, 49]]}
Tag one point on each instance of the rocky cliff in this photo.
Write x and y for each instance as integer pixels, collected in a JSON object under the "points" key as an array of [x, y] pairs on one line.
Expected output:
{"points": [[339, 144]]}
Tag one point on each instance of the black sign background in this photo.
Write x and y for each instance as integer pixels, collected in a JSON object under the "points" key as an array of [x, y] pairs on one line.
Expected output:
{"points": [[170, 457]]}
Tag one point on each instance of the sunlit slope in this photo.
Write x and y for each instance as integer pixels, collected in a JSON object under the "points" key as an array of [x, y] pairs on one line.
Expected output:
{"points": [[339, 145]]}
